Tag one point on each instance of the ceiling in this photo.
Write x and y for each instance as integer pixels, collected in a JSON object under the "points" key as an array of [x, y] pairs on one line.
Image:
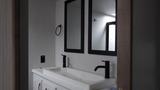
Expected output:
{"points": [[104, 6], [76, 3], [107, 7]]}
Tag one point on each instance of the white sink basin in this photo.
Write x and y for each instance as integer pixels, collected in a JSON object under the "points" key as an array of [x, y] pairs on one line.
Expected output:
{"points": [[77, 79], [77, 75]]}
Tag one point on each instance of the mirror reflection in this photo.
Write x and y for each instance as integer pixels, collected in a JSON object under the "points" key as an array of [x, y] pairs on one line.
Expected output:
{"points": [[73, 26], [102, 27], [111, 27]]}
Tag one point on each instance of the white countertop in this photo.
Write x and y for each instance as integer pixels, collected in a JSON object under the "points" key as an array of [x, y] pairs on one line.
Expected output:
{"points": [[72, 86]]}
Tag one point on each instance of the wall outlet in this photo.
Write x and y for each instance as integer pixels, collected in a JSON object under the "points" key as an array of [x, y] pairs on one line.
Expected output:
{"points": [[43, 58]]}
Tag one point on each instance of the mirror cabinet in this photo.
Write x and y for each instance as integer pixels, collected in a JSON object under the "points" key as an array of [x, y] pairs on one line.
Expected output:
{"points": [[102, 31], [74, 26]]}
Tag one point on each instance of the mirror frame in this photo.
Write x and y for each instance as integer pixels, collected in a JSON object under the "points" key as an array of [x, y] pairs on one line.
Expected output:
{"points": [[81, 50], [100, 52]]}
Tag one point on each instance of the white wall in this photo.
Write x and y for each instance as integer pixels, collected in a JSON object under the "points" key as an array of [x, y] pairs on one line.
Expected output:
{"points": [[41, 34], [84, 61]]}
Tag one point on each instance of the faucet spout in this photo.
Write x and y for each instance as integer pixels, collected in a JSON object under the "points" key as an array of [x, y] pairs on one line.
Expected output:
{"points": [[98, 67], [106, 67]]}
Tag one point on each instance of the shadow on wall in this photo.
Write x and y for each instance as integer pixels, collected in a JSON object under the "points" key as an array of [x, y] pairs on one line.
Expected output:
{"points": [[23, 27], [146, 46], [158, 46]]}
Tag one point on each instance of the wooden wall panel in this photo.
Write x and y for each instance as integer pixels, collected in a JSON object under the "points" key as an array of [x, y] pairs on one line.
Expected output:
{"points": [[124, 44], [7, 46]]}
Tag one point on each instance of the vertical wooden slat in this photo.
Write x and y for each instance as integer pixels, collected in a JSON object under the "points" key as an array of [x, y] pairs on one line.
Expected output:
{"points": [[1, 42], [23, 48], [124, 44], [2, 29], [7, 52], [16, 20]]}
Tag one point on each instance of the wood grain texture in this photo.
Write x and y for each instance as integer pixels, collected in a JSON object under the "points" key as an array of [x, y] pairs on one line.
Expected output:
{"points": [[124, 44], [7, 50]]}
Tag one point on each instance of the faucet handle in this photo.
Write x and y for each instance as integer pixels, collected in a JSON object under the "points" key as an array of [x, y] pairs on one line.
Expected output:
{"points": [[63, 55], [104, 61]]}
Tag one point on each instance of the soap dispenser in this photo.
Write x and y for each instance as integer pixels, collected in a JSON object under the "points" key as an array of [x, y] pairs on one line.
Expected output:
{"points": [[64, 61]]}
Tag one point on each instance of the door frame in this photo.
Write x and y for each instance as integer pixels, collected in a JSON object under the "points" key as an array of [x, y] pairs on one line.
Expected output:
{"points": [[21, 43], [124, 44]]}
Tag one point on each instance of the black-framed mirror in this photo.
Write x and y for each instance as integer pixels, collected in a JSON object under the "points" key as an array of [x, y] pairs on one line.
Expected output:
{"points": [[74, 26], [102, 31]]}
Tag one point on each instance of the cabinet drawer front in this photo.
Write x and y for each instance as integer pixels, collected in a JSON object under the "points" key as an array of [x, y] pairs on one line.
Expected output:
{"points": [[37, 82], [47, 85], [40, 83], [61, 88]]}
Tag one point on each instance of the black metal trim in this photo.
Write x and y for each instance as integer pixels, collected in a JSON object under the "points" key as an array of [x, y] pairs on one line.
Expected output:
{"points": [[17, 42], [131, 43], [99, 52], [82, 29], [114, 53]]}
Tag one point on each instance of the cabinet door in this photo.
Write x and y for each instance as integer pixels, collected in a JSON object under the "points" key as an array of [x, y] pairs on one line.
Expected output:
{"points": [[61, 88], [47, 85], [37, 82]]}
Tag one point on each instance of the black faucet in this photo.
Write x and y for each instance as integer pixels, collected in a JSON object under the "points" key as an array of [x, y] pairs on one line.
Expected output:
{"points": [[64, 61], [106, 67]]}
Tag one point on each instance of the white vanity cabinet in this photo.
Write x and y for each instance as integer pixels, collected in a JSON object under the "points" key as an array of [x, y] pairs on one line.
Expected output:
{"points": [[37, 82], [47, 85], [55, 78], [40, 83]]}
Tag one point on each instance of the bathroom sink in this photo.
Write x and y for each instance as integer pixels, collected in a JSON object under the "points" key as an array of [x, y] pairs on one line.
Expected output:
{"points": [[77, 79], [77, 75]]}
